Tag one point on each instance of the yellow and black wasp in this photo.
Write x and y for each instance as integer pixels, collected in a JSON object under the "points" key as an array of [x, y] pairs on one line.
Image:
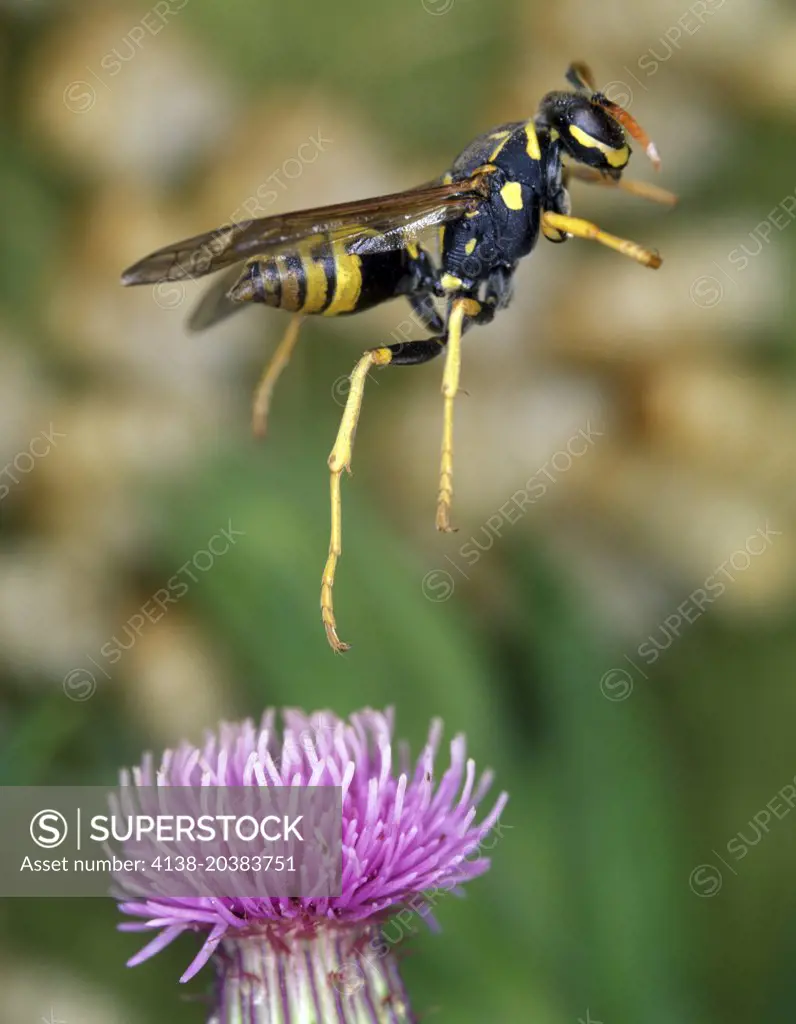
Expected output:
{"points": [[502, 190]]}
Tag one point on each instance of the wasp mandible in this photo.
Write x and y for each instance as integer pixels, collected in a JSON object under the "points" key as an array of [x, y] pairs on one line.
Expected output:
{"points": [[505, 188]]}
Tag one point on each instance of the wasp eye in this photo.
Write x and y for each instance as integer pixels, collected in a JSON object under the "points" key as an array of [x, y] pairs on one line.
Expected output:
{"points": [[597, 139], [599, 126]]}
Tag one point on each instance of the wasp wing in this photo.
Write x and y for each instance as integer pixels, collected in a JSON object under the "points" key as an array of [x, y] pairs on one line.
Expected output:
{"points": [[366, 226], [215, 304]]}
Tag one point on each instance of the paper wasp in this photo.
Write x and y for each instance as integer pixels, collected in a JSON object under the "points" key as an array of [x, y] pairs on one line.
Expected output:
{"points": [[501, 191]]}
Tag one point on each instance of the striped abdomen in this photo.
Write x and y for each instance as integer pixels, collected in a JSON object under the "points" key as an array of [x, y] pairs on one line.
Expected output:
{"points": [[323, 278]]}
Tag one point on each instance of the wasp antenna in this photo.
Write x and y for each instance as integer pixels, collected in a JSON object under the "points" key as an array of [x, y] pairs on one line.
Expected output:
{"points": [[580, 75], [631, 125]]}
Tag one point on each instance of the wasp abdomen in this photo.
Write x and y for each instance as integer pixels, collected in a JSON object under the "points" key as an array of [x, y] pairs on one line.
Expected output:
{"points": [[276, 281], [323, 279]]}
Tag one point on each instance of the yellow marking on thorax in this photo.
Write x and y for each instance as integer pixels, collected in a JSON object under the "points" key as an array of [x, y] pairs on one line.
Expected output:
{"points": [[413, 250], [615, 157], [532, 147], [511, 194], [450, 283], [471, 246], [503, 138], [349, 281]]}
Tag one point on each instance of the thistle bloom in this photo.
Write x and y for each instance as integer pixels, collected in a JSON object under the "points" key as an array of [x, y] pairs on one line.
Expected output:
{"points": [[405, 838]]}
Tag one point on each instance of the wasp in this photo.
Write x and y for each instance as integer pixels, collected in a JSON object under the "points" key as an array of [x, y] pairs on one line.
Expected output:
{"points": [[508, 186]]}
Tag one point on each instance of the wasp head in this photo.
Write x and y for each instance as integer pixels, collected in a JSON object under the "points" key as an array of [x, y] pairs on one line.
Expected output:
{"points": [[592, 129]]}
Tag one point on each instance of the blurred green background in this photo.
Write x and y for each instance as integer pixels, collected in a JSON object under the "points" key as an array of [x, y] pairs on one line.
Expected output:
{"points": [[641, 716]]}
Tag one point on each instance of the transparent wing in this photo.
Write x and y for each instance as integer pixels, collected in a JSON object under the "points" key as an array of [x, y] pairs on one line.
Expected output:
{"points": [[366, 226], [215, 304]]}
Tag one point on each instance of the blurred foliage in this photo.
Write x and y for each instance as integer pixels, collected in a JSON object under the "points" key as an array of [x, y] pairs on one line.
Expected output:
{"points": [[587, 913]]}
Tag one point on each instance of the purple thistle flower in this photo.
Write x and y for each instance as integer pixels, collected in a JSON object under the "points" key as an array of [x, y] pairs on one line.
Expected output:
{"points": [[296, 961]]}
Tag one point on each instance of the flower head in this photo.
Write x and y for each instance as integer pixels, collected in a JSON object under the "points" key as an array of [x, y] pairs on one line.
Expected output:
{"points": [[402, 834]]}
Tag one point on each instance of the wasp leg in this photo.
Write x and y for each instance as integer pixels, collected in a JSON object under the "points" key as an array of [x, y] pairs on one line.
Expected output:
{"points": [[460, 308], [637, 188], [497, 295], [405, 354], [424, 276], [271, 374], [585, 229], [422, 286], [423, 307]]}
